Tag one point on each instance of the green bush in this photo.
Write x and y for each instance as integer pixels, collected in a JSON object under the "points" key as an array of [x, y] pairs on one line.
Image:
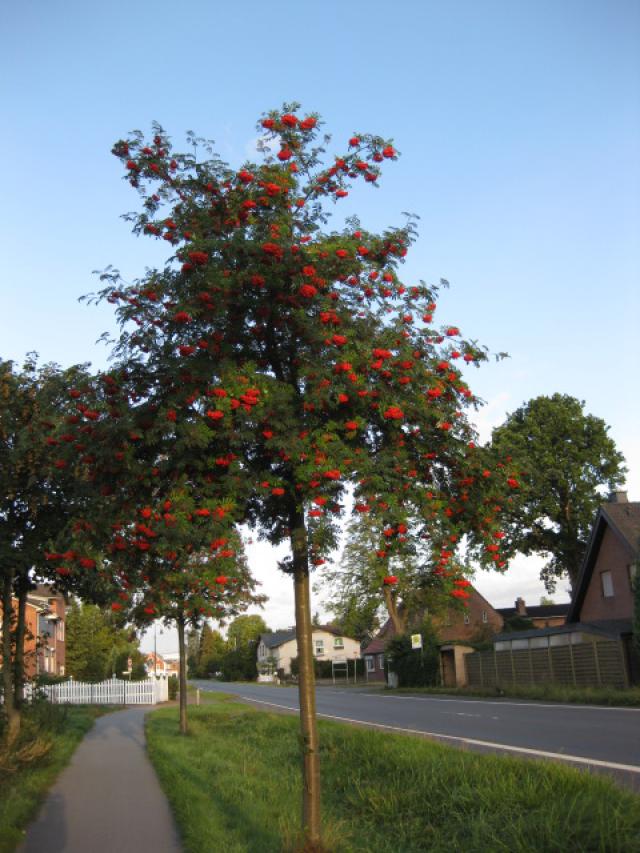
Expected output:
{"points": [[240, 664], [324, 669], [173, 684], [415, 667]]}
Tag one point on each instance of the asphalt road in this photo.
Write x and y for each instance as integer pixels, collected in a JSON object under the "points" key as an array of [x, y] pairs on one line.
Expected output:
{"points": [[587, 736]]}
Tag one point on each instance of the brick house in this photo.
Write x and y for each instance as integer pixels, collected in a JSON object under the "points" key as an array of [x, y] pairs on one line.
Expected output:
{"points": [[44, 647], [455, 628], [604, 591], [602, 604]]}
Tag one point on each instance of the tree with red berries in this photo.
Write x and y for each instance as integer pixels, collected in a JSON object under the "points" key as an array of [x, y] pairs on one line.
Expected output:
{"points": [[295, 363], [163, 543], [38, 497]]}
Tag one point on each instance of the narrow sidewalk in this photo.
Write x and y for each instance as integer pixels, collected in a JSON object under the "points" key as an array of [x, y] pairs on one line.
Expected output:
{"points": [[108, 800]]}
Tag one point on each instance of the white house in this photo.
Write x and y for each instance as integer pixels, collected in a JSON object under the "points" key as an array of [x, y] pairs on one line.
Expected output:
{"points": [[276, 650]]}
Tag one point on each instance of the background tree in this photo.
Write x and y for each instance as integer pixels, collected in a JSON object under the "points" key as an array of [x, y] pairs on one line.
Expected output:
{"points": [[211, 653], [361, 596], [246, 629], [295, 363], [566, 459], [96, 647]]}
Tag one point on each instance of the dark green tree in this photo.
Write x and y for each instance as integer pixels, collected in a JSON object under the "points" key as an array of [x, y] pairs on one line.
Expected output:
{"points": [[97, 647], [566, 459], [211, 652]]}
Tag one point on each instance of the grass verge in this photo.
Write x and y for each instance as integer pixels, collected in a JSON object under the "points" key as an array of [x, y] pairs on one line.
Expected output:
{"points": [[48, 738], [234, 785], [609, 696]]}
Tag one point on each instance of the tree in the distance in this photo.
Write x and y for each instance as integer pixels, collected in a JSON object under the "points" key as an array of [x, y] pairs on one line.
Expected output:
{"points": [[296, 364], [246, 629], [96, 647], [566, 458]]}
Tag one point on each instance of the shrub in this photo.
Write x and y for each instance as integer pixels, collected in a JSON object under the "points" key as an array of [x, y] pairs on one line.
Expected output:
{"points": [[415, 667], [173, 687]]}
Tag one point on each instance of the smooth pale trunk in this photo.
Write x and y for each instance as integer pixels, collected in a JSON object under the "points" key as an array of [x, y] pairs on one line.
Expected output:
{"points": [[306, 688]]}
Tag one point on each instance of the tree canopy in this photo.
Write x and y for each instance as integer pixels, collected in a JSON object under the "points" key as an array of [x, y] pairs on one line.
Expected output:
{"points": [[273, 362], [566, 459]]}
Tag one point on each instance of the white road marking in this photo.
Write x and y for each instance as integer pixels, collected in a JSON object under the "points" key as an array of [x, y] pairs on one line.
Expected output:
{"points": [[538, 753], [500, 702]]}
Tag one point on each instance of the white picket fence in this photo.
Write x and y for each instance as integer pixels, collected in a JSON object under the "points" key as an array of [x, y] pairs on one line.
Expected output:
{"points": [[114, 691]]}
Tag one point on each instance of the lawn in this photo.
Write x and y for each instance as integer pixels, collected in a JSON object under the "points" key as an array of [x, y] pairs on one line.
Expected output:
{"points": [[234, 785], [49, 736], [609, 696]]}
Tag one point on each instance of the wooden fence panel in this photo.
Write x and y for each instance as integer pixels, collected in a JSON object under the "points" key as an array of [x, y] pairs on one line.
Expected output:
{"points": [[581, 665]]}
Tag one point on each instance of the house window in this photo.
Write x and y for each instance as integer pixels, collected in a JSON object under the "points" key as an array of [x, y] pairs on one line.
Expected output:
{"points": [[485, 616], [380, 661], [370, 663], [60, 631], [338, 643], [607, 584], [466, 619], [319, 646]]}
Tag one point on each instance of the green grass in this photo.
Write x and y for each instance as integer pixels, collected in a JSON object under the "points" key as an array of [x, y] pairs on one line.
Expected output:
{"points": [[234, 785], [48, 738], [610, 696]]}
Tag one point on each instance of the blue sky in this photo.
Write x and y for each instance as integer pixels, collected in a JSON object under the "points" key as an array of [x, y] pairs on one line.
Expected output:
{"points": [[518, 125]]}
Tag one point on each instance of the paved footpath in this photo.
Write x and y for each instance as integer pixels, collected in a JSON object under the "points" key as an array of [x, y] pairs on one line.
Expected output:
{"points": [[108, 799]]}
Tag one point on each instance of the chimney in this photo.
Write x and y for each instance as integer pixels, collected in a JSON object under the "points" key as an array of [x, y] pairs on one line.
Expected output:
{"points": [[618, 498], [521, 610]]}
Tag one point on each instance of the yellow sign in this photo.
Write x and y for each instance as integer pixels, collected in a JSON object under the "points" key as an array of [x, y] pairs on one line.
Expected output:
{"points": [[416, 641]]}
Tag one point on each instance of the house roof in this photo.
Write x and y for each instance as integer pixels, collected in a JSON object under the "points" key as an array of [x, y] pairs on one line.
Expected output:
{"points": [[609, 628], [387, 632], [536, 611], [623, 519], [277, 638]]}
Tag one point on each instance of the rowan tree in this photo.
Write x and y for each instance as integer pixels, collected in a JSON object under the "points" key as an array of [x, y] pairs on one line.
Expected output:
{"points": [[295, 363], [566, 459], [38, 496]]}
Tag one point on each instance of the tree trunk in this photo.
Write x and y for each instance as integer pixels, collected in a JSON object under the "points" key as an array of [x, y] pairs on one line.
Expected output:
{"points": [[182, 682], [11, 712], [398, 622], [306, 687], [19, 635]]}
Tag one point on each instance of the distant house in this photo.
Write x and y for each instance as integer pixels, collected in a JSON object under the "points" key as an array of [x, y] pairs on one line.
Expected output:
{"points": [[45, 632], [276, 650], [155, 665], [539, 615], [455, 628]]}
